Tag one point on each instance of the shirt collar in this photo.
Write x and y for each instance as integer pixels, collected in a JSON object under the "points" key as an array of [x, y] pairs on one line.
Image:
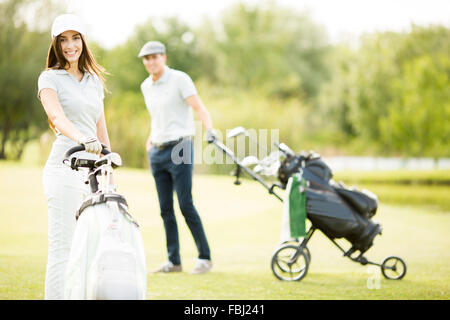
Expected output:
{"points": [[62, 71], [164, 77]]}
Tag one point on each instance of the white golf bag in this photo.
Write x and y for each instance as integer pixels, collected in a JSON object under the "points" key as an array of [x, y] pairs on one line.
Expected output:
{"points": [[107, 257]]}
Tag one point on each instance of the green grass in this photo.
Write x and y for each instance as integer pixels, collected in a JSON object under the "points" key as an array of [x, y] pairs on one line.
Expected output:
{"points": [[403, 187], [243, 227], [416, 177]]}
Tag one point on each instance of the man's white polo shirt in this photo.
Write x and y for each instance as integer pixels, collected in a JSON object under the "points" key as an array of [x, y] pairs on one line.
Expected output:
{"points": [[171, 115]]}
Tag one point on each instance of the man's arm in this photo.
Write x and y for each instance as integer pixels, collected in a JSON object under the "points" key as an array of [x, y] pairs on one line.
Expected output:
{"points": [[148, 145], [196, 103]]}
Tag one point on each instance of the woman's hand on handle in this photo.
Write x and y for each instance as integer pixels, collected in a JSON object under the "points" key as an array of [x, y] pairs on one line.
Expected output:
{"points": [[91, 144]]}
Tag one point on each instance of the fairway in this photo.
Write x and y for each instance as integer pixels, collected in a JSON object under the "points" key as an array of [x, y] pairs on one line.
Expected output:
{"points": [[243, 227]]}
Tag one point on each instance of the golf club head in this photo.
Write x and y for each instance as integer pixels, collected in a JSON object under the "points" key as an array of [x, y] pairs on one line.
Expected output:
{"points": [[250, 160], [269, 165], [258, 168], [273, 169], [283, 147], [273, 157], [116, 160], [236, 132]]}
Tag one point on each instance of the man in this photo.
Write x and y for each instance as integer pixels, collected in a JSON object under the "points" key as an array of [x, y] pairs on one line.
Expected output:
{"points": [[170, 95]]}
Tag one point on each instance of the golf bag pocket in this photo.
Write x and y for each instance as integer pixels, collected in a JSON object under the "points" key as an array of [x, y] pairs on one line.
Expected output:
{"points": [[113, 273], [107, 258], [364, 202]]}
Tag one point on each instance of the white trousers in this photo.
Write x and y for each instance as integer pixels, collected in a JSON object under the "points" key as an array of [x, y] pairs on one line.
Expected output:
{"points": [[65, 190]]}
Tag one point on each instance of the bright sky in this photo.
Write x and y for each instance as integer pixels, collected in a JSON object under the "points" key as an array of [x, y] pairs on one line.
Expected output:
{"points": [[110, 22]]}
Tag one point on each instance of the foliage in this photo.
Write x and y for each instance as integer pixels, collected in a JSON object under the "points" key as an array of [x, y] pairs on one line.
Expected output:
{"points": [[392, 92], [260, 66], [22, 59], [279, 50], [128, 127], [256, 76], [418, 116]]}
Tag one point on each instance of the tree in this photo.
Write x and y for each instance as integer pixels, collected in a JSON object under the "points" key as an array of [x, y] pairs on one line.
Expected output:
{"points": [[392, 92], [22, 58], [278, 50], [181, 46], [126, 75], [419, 114], [333, 112]]}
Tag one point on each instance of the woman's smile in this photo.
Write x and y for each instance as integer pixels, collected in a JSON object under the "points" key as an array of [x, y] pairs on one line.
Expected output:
{"points": [[71, 45]]}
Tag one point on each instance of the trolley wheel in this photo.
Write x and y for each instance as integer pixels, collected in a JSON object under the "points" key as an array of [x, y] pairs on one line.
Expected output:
{"points": [[393, 268], [296, 243], [284, 267], [308, 253], [290, 264]]}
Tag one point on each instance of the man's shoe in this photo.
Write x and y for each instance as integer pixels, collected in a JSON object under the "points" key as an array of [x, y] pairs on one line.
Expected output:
{"points": [[167, 267], [202, 266]]}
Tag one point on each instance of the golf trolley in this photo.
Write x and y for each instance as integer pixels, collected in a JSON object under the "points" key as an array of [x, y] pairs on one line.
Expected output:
{"points": [[107, 257], [334, 209]]}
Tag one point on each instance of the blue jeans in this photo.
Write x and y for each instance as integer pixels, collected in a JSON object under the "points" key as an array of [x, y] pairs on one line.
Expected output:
{"points": [[170, 176]]}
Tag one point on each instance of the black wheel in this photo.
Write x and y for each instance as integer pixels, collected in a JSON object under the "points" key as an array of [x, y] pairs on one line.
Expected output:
{"points": [[393, 268], [308, 253], [296, 242], [290, 264], [284, 267]]}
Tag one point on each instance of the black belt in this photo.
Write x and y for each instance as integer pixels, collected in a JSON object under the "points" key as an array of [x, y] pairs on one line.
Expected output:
{"points": [[168, 144]]}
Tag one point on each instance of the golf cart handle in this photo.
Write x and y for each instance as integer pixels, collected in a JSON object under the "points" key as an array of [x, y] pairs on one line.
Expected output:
{"points": [[72, 150], [71, 163]]}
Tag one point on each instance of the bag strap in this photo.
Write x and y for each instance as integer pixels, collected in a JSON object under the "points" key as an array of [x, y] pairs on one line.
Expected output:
{"points": [[101, 198], [127, 214]]}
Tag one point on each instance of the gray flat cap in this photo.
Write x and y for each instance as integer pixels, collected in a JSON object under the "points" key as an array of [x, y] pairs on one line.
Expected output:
{"points": [[152, 47]]}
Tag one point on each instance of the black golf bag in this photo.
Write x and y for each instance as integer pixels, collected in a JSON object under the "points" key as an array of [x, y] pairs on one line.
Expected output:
{"points": [[338, 211]]}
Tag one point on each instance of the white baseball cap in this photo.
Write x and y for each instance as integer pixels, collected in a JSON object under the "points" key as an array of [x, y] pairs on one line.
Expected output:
{"points": [[66, 22], [152, 47]]}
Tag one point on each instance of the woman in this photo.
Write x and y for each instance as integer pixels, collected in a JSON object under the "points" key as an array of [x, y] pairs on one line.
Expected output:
{"points": [[71, 92]]}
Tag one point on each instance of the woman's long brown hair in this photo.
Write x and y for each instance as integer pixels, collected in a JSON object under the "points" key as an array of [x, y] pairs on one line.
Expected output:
{"points": [[86, 63]]}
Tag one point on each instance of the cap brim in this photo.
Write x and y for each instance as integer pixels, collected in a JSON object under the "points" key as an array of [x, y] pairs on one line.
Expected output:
{"points": [[147, 53], [58, 32]]}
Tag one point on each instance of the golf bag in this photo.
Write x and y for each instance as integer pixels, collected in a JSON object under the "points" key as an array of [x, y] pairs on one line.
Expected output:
{"points": [[107, 257], [336, 210]]}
